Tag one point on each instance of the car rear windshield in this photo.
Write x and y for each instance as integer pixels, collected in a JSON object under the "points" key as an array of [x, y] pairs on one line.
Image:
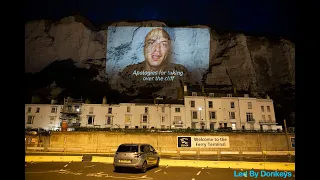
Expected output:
{"points": [[128, 148]]}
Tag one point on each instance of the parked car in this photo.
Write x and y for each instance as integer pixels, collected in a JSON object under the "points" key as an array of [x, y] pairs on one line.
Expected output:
{"points": [[137, 156]]}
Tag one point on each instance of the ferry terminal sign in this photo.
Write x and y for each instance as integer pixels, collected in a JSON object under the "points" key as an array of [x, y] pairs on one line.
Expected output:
{"points": [[203, 142]]}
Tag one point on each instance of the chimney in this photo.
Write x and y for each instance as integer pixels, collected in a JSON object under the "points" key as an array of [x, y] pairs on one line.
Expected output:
{"points": [[185, 90], [104, 100], [53, 101]]}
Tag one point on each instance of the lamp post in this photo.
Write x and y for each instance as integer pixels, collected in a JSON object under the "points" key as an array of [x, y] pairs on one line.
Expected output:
{"points": [[200, 115]]}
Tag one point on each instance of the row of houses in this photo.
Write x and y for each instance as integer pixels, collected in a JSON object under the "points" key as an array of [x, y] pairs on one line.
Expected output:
{"points": [[197, 112]]}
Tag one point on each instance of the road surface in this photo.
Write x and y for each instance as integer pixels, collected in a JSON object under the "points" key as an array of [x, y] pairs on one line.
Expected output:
{"points": [[96, 171]]}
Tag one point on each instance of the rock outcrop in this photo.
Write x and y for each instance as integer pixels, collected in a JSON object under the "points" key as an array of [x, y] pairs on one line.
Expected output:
{"points": [[254, 63]]}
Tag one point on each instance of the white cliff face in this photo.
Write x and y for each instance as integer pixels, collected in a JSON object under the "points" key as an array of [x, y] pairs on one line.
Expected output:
{"points": [[243, 61], [65, 39]]}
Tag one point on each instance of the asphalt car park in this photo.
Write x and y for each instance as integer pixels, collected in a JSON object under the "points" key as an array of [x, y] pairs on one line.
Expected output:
{"points": [[95, 171]]}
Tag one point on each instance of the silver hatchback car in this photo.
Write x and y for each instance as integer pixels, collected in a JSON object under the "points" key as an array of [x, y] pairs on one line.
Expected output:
{"points": [[138, 156]]}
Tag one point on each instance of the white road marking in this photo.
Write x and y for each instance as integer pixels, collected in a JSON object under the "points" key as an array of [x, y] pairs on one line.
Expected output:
{"points": [[66, 165], [89, 166], [198, 173], [164, 172], [193, 179], [117, 177], [157, 171], [202, 168], [208, 173]]}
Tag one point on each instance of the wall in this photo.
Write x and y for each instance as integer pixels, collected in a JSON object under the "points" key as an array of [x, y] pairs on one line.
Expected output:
{"points": [[106, 141]]}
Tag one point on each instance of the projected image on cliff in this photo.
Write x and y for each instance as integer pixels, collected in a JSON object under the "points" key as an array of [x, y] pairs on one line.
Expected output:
{"points": [[154, 56]]}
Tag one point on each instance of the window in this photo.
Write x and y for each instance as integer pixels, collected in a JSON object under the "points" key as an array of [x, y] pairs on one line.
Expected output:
{"points": [[163, 119], [193, 104], [144, 127], [126, 127], [29, 110], [144, 148], [211, 94], [268, 108], [77, 108], [53, 109], [52, 117], [177, 109], [30, 119], [146, 110], [232, 115], [232, 104], [194, 94], [91, 110], [194, 115], [109, 110], [210, 104], [177, 120], [229, 95], [163, 109], [128, 109], [249, 105], [262, 108], [212, 114], [144, 118], [38, 110], [263, 117], [127, 119], [225, 125], [109, 120], [269, 117], [90, 120], [249, 117], [163, 126]]}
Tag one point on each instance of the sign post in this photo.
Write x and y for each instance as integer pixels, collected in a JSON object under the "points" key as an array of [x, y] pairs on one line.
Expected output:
{"points": [[285, 129]]}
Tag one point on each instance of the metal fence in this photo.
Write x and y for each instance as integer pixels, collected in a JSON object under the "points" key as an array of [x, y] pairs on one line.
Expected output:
{"points": [[81, 129], [171, 153]]}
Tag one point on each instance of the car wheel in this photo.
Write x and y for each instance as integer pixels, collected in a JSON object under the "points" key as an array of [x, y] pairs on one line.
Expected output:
{"points": [[158, 161], [144, 167]]}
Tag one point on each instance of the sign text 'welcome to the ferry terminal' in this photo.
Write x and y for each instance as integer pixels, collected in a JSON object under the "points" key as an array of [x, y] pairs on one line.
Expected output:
{"points": [[204, 141]]}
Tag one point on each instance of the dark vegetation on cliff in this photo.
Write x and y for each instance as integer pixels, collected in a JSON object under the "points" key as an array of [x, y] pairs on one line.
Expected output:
{"points": [[61, 79]]}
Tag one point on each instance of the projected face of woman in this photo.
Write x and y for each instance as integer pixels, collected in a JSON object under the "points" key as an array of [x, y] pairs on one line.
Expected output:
{"points": [[156, 47]]}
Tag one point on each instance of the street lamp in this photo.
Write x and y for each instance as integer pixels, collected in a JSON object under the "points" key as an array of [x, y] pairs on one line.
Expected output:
{"points": [[200, 115], [200, 112]]}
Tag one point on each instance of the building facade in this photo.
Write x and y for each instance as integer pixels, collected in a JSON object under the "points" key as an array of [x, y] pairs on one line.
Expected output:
{"points": [[197, 112], [45, 116]]}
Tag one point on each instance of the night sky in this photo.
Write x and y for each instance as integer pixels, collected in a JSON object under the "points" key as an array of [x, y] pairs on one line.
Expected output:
{"points": [[252, 17]]}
